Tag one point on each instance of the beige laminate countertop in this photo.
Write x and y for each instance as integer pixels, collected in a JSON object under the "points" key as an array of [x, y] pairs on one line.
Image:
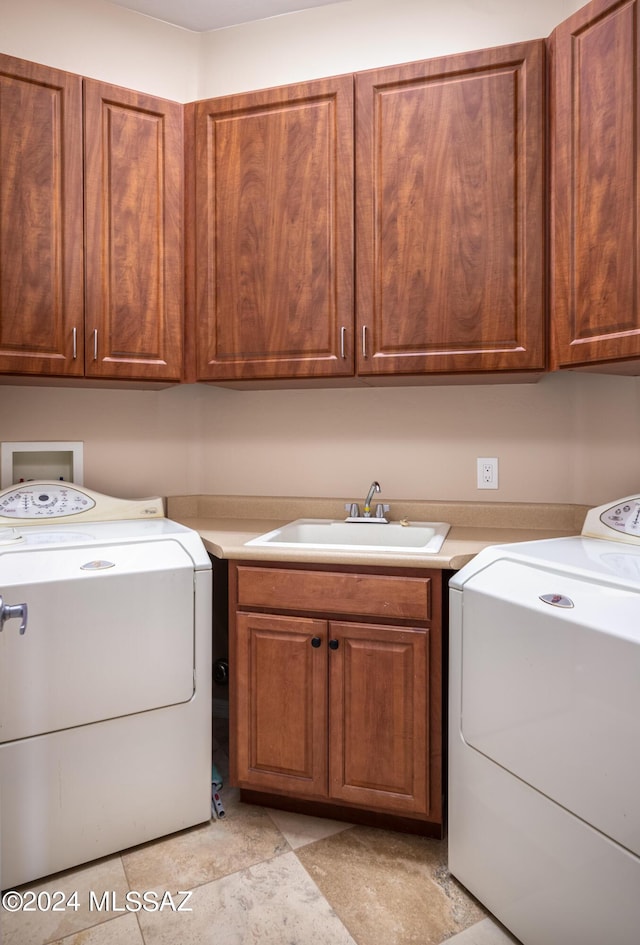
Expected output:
{"points": [[226, 523]]}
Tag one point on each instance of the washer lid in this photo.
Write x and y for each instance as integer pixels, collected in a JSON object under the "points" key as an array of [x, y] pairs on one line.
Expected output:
{"points": [[609, 561], [101, 642], [85, 534]]}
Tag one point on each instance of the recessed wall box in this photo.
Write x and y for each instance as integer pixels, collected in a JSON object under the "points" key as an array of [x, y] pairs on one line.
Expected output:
{"points": [[20, 462]]}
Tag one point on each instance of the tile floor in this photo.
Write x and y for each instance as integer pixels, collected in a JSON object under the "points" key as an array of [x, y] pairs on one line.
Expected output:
{"points": [[261, 877]]}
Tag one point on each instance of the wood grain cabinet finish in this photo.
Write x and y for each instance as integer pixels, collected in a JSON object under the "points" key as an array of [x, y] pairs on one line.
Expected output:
{"points": [[134, 234], [281, 716], [378, 718], [595, 312], [91, 228], [450, 170], [335, 709], [272, 228], [350, 592], [41, 223]]}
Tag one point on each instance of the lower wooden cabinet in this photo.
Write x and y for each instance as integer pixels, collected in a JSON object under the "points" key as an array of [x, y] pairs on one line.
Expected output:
{"points": [[281, 690], [332, 708]]}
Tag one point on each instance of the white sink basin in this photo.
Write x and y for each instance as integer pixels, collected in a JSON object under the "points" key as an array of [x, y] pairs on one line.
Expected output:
{"points": [[327, 534]]}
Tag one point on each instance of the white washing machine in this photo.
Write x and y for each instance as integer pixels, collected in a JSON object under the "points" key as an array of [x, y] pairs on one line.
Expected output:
{"points": [[105, 698], [544, 732]]}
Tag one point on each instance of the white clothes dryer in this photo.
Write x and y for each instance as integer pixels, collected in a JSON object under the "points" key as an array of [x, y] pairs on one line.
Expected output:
{"points": [[105, 698], [544, 732]]}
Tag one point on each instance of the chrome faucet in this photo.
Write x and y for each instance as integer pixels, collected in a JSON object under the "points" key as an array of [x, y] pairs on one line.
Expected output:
{"points": [[354, 509], [375, 487]]}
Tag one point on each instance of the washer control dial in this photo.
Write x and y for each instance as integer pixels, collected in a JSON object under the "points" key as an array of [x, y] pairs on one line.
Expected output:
{"points": [[41, 501], [624, 517], [619, 521]]}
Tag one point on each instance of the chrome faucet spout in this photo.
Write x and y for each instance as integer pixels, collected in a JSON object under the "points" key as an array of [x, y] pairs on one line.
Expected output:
{"points": [[375, 487]]}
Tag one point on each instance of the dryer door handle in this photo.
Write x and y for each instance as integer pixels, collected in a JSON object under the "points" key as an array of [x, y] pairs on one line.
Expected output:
{"points": [[7, 611]]}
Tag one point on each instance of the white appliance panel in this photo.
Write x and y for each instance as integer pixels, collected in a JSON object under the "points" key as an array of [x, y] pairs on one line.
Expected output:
{"points": [[544, 733], [129, 626], [546, 874], [74, 795], [105, 700], [543, 684]]}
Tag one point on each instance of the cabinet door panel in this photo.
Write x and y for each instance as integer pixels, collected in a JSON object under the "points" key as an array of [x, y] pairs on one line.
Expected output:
{"points": [[379, 745], [134, 211], [274, 233], [450, 226], [41, 245], [595, 226], [281, 701]]}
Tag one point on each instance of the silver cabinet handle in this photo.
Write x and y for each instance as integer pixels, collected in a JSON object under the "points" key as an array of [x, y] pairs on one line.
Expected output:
{"points": [[95, 344], [7, 611], [343, 332], [364, 341], [75, 343]]}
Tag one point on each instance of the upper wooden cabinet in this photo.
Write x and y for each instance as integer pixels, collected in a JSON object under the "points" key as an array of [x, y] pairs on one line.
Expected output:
{"points": [[134, 234], [450, 170], [595, 314], [41, 261], [129, 326], [449, 224], [271, 223]]}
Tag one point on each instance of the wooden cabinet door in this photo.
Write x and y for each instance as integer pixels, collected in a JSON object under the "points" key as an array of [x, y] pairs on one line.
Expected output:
{"points": [[450, 215], [272, 233], [378, 717], [134, 234], [595, 314], [280, 701], [41, 261]]}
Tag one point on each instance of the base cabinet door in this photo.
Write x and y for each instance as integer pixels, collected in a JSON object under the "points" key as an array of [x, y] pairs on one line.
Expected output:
{"points": [[378, 709], [281, 704], [595, 236]]}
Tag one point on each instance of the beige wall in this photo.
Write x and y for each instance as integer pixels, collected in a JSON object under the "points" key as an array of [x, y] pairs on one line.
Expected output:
{"points": [[364, 34], [569, 438], [103, 41]]}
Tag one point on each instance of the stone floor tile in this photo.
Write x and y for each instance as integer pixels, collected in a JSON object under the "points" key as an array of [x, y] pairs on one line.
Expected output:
{"points": [[487, 932], [268, 904], [45, 925], [390, 887], [245, 836], [122, 931], [300, 829]]}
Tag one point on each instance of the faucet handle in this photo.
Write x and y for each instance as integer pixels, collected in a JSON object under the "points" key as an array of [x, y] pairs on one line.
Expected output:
{"points": [[353, 509], [381, 508]]}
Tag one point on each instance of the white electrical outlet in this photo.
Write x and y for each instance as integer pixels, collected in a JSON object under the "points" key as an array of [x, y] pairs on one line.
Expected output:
{"points": [[487, 472]]}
